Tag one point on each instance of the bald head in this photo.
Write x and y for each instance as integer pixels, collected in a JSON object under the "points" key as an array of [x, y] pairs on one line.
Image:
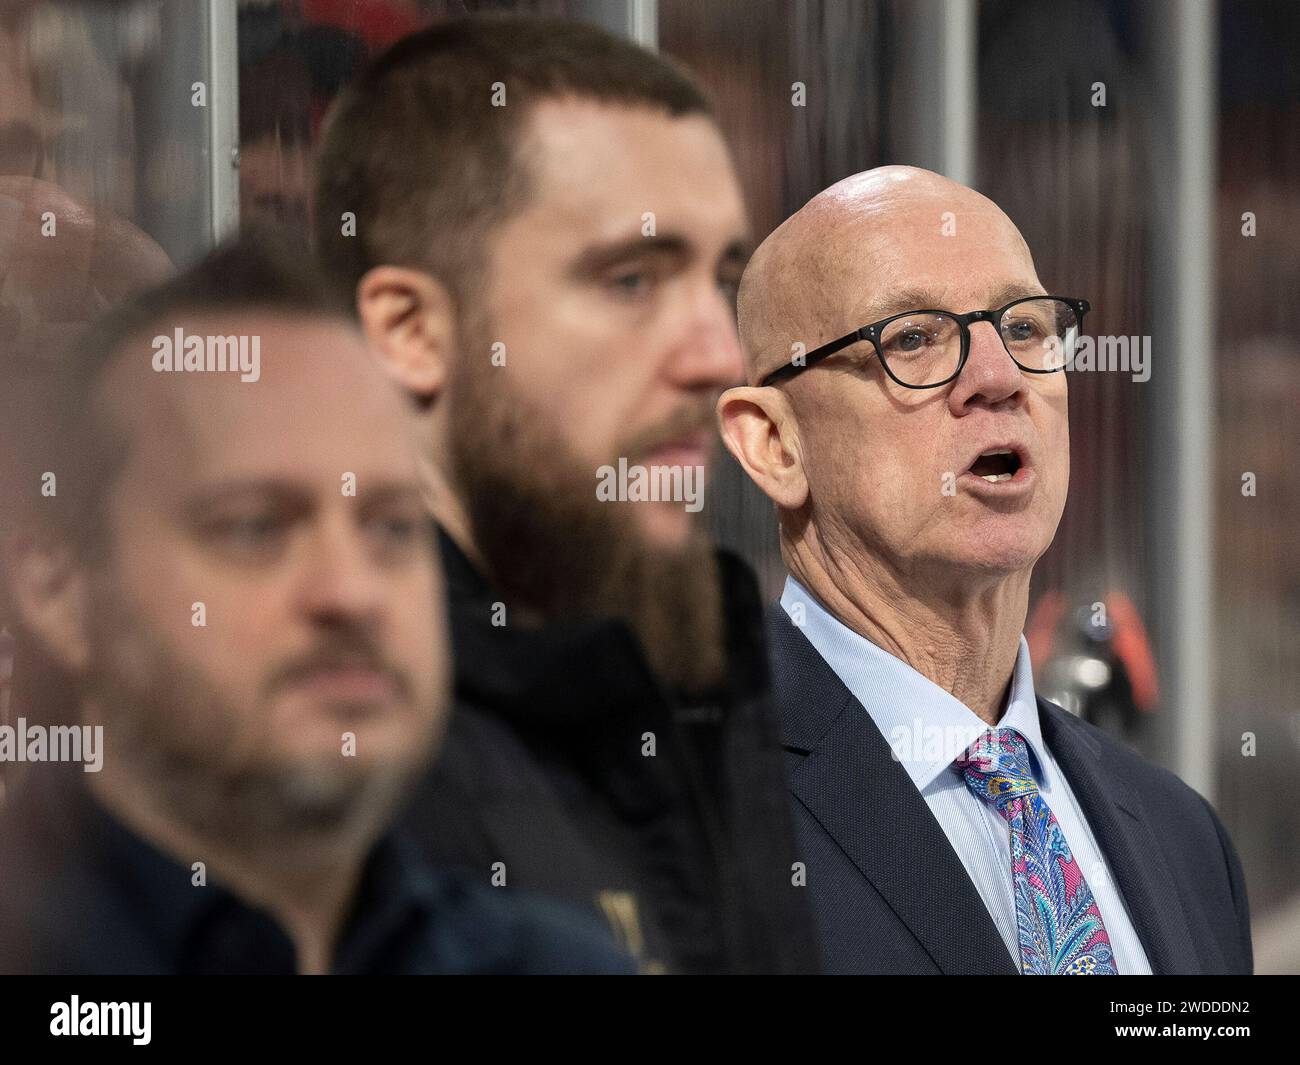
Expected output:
{"points": [[846, 253], [875, 480]]}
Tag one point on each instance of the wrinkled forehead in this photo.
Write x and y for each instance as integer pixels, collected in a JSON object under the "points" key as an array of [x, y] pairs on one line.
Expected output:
{"points": [[954, 252]]}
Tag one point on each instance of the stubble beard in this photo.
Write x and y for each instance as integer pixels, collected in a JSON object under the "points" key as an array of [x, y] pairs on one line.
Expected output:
{"points": [[175, 739]]}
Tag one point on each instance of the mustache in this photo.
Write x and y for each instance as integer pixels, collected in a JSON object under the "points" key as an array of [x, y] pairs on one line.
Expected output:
{"points": [[690, 418], [347, 649]]}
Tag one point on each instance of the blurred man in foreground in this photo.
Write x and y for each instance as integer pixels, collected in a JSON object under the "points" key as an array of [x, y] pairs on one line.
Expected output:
{"points": [[228, 552], [542, 229], [907, 415]]}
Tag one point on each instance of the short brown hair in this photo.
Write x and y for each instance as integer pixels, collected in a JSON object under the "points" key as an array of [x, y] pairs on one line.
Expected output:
{"points": [[64, 429], [415, 149]]}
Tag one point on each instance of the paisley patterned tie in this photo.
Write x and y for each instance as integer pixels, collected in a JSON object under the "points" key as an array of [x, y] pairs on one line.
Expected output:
{"points": [[1060, 927]]}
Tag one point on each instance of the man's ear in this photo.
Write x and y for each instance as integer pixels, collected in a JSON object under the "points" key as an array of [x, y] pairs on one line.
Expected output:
{"points": [[49, 592], [410, 320], [759, 429]]}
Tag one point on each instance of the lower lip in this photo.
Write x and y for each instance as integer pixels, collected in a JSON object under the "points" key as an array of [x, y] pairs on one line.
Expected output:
{"points": [[353, 685], [1021, 484], [677, 456]]}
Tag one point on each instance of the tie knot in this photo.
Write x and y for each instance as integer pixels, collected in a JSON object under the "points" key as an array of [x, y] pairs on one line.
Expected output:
{"points": [[996, 768]]}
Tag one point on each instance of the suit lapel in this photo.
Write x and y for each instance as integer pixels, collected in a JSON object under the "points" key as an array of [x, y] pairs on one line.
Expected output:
{"points": [[1117, 820], [864, 799]]}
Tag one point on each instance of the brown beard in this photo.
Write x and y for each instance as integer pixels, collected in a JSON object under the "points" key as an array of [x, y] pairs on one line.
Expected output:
{"points": [[553, 548]]}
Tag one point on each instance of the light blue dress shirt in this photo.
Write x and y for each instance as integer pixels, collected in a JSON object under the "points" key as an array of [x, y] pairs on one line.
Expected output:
{"points": [[927, 728]]}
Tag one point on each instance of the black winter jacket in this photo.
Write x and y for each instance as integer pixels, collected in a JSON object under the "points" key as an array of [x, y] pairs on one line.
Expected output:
{"points": [[543, 785]]}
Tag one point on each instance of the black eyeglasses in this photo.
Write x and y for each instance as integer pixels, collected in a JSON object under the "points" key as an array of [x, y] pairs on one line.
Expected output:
{"points": [[926, 349]]}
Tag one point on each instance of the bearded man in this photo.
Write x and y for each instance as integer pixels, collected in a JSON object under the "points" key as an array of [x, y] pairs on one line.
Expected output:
{"points": [[543, 230]]}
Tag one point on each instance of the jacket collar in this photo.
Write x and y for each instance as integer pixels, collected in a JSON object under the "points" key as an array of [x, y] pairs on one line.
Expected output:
{"points": [[885, 827], [867, 803], [570, 672], [1123, 832], [902, 701]]}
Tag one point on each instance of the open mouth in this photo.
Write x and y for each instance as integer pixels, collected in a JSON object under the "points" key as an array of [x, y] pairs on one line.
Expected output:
{"points": [[996, 466]]}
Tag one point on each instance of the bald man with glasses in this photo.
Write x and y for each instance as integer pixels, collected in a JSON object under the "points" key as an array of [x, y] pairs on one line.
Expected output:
{"points": [[950, 820]]}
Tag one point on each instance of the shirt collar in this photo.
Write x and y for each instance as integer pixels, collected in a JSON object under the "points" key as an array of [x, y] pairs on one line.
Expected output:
{"points": [[925, 726]]}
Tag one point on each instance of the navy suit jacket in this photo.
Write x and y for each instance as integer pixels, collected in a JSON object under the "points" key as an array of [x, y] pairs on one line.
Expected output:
{"points": [[889, 893]]}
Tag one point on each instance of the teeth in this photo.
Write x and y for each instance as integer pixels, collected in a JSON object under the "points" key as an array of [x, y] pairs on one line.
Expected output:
{"points": [[995, 477], [989, 454]]}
